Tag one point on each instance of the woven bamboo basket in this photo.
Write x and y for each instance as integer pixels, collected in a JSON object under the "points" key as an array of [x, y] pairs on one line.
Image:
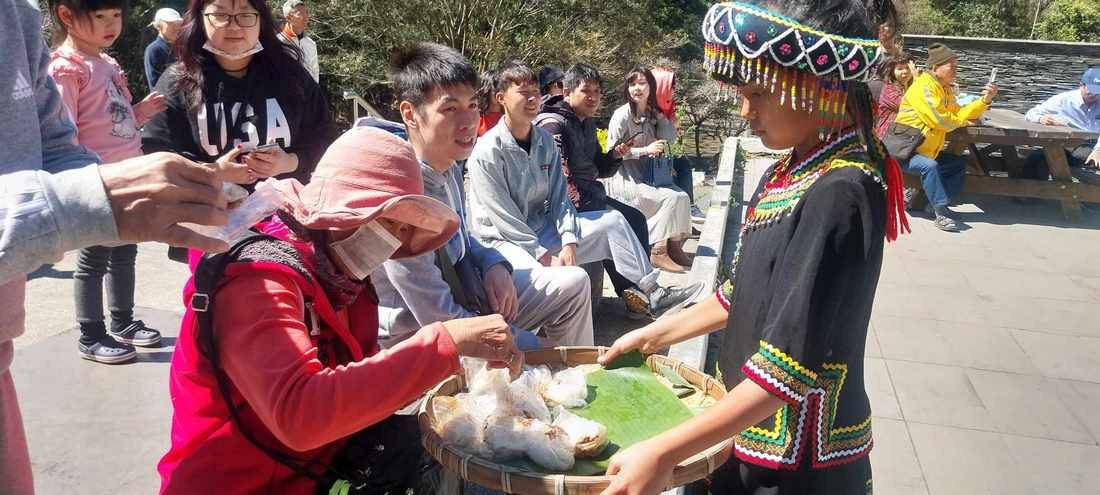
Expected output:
{"points": [[510, 480]]}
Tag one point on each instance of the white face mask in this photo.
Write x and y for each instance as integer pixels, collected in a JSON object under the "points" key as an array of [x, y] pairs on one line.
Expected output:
{"points": [[366, 249], [233, 56]]}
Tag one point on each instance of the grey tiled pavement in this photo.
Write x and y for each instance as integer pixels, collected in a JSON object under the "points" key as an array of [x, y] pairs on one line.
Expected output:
{"points": [[983, 365]]}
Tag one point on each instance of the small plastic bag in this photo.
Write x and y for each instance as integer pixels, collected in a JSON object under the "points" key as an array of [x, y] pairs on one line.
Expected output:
{"points": [[587, 437], [549, 446], [568, 388], [257, 206], [526, 396]]}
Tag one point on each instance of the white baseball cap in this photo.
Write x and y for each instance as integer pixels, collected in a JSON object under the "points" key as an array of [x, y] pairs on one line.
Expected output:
{"points": [[166, 15]]}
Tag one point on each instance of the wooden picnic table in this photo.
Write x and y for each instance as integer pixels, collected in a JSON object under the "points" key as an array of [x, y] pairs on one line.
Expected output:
{"points": [[1004, 130]]}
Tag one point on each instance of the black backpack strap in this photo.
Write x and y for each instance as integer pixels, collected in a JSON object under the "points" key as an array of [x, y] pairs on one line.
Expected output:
{"points": [[208, 275]]}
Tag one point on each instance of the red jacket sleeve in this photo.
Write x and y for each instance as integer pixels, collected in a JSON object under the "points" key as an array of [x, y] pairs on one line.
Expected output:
{"points": [[267, 353]]}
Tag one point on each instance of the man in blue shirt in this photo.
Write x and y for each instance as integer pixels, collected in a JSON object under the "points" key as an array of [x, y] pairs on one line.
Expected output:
{"points": [[159, 54], [1078, 108]]}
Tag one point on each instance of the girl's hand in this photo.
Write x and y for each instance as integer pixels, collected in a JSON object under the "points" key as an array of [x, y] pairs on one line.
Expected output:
{"points": [[622, 149], [264, 164], [151, 105], [645, 339], [638, 470], [231, 170], [656, 148]]}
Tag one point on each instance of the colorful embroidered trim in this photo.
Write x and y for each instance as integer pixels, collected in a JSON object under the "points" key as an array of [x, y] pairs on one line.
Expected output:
{"points": [[788, 183], [778, 373], [782, 446], [725, 294], [837, 445]]}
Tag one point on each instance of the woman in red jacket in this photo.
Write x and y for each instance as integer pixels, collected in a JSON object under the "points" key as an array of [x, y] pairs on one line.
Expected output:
{"points": [[278, 365]]}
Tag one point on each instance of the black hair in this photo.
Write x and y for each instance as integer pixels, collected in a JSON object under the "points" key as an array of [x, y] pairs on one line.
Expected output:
{"points": [[514, 72], [579, 74], [82, 12], [852, 19], [486, 89], [651, 100], [886, 70], [276, 60], [417, 70]]}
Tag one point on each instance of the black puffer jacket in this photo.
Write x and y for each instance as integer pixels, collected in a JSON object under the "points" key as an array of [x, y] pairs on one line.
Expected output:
{"points": [[582, 159]]}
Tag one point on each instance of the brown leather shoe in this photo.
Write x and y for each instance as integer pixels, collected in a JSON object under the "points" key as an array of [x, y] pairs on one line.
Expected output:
{"points": [[677, 254], [660, 259]]}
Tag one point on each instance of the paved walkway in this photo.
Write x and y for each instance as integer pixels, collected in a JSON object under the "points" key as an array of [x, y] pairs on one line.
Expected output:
{"points": [[983, 365]]}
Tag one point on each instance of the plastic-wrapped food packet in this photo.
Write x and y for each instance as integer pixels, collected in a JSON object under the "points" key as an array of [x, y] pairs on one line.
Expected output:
{"points": [[257, 206]]}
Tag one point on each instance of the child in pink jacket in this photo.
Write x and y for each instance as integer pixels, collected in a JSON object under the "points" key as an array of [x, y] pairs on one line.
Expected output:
{"points": [[93, 90]]}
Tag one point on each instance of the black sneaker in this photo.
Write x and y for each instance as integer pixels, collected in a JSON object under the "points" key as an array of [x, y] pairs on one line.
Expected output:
{"points": [[665, 299], [137, 334], [637, 304], [107, 351]]}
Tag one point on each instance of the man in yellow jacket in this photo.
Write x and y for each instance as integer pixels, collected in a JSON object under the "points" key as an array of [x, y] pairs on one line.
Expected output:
{"points": [[929, 105]]}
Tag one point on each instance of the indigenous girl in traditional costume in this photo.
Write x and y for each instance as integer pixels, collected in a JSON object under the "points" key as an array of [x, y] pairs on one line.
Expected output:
{"points": [[797, 305]]}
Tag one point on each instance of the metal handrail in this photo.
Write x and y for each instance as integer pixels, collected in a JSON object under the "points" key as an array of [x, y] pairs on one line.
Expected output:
{"points": [[358, 102]]}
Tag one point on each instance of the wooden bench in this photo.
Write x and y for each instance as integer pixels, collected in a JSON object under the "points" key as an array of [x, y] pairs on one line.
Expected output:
{"points": [[1003, 130]]}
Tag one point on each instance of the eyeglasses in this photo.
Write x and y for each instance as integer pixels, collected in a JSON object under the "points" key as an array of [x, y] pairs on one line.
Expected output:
{"points": [[245, 20]]}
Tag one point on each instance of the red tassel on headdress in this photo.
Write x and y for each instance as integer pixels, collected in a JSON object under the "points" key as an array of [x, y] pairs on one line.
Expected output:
{"points": [[895, 201]]}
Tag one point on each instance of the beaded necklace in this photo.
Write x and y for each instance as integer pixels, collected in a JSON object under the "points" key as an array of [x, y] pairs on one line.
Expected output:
{"points": [[790, 180], [787, 184]]}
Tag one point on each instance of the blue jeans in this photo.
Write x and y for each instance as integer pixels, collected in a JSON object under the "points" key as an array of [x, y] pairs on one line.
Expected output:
{"points": [[942, 178]]}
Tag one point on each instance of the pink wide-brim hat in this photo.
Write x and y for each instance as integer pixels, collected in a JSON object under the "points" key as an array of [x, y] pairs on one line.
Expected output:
{"points": [[367, 174]]}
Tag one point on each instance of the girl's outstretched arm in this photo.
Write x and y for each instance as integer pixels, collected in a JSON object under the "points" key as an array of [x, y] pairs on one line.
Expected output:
{"points": [[646, 468]]}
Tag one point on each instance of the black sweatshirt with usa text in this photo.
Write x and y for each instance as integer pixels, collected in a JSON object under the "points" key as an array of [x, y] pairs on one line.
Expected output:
{"points": [[250, 110]]}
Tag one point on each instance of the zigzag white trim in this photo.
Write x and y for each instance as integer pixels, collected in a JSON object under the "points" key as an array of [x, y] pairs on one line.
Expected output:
{"points": [[772, 380]]}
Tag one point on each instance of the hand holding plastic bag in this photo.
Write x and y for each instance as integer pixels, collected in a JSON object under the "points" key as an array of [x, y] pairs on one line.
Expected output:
{"points": [[262, 203]]}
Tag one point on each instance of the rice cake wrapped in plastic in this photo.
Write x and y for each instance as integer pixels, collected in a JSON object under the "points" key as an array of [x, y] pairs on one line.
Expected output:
{"points": [[458, 426], [549, 446], [569, 388], [526, 397], [588, 438], [507, 436]]}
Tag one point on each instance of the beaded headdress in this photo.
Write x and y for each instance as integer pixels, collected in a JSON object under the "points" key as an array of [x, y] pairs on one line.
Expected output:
{"points": [[808, 68]]}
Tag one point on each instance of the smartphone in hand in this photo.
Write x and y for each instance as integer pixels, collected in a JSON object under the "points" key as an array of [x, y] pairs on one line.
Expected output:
{"points": [[993, 76]]}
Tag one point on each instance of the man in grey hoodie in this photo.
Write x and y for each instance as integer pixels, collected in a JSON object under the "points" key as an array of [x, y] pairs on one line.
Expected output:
{"points": [[521, 208], [54, 197], [436, 87]]}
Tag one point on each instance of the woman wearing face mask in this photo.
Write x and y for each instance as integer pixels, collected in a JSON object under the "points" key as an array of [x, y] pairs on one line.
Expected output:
{"points": [[236, 88], [667, 208], [277, 367]]}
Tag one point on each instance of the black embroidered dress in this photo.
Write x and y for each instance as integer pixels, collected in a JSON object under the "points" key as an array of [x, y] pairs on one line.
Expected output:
{"points": [[799, 306]]}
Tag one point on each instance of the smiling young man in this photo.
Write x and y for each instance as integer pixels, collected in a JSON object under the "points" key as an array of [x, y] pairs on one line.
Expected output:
{"points": [[520, 207], [436, 88]]}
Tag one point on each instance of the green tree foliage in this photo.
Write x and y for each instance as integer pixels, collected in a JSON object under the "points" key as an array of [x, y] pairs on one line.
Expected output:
{"points": [[1071, 20], [1059, 20]]}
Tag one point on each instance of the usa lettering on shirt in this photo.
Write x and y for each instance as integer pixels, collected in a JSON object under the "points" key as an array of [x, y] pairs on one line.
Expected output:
{"points": [[215, 118]]}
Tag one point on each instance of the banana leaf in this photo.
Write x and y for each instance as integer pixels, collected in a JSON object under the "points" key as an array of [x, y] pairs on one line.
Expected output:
{"points": [[632, 403]]}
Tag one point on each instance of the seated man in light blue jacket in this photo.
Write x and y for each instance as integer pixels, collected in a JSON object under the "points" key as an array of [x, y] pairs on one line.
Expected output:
{"points": [[1078, 108], [519, 204], [436, 87]]}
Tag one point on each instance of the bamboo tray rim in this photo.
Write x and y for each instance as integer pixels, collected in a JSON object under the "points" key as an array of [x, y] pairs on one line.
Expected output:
{"points": [[511, 480]]}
